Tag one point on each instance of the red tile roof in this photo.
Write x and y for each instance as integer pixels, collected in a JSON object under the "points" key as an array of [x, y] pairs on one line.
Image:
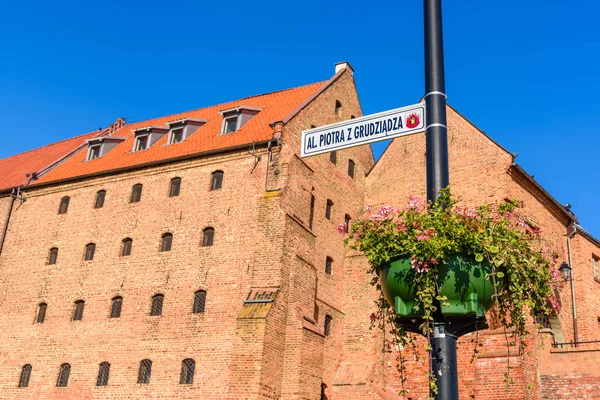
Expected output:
{"points": [[275, 107]]}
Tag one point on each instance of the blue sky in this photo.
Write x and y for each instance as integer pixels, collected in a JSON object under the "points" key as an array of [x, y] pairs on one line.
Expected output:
{"points": [[525, 72]]}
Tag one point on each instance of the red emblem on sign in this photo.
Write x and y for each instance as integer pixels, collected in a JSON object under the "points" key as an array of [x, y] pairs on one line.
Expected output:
{"points": [[413, 121]]}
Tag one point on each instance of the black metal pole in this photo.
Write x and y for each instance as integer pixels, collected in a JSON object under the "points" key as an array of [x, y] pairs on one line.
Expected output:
{"points": [[443, 344]]}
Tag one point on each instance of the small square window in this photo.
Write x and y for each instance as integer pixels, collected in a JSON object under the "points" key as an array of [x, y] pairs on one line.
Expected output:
{"points": [[94, 152], [141, 142], [230, 124], [176, 136]]}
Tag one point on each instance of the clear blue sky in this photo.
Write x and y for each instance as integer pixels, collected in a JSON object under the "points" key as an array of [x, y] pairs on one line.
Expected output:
{"points": [[525, 72]]}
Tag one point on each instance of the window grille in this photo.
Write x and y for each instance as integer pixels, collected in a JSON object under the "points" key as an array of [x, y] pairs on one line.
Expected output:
{"points": [[52, 256], [199, 301], [64, 205], [187, 371], [90, 249], [145, 371], [328, 265], [100, 199], [328, 209], [63, 375], [78, 313], [41, 316], [25, 375], [351, 168], [208, 237], [216, 181], [167, 240], [175, 186], [126, 249], [157, 304], [311, 216], [115, 308], [103, 373], [333, 157], [327, 326], [136, 193], [347, 221]]}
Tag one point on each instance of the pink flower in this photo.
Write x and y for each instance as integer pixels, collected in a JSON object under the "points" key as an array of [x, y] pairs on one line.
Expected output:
{"points": [[385, 211], [420, 265], [414, 203], [342, 228], [367, 207], [402, 228], [426, 234], [553, 302]]}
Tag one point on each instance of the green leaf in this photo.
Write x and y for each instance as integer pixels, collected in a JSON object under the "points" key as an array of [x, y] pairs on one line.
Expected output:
{"points": [[500, 274], [478, 257], [493, 249]]}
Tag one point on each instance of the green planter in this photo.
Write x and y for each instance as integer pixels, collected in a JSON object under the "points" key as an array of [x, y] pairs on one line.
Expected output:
{"points": [[462, 280]]}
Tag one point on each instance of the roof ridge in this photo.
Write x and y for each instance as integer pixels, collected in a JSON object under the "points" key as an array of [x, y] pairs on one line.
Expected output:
{"points": [[51, 144]]}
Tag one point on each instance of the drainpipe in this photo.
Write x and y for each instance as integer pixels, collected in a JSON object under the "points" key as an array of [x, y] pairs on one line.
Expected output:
{"points": [[14, 194], [574, 301]]}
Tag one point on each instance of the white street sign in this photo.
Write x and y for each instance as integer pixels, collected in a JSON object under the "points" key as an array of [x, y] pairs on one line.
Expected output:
{"points": [[363, 130]]}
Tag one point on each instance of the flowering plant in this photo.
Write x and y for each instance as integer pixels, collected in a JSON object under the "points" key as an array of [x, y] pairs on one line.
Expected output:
{"points": [[521, 269]]}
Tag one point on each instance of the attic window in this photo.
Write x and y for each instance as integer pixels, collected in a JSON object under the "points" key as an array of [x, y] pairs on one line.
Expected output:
{"points": [[146, 137], [97, 147], [176, 136], [141, 143], [94, 152], [235, 118], [182, 129]]}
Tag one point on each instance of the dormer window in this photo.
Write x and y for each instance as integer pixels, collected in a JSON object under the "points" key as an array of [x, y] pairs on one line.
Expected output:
{"points": [[235, 118], [182, 129], [97, 147], [146, 137]]}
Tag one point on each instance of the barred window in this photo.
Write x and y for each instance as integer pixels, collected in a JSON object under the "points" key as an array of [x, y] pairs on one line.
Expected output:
{"points": [[100, 199], [25, 375], [333, 157], [216, 181], [90, 249], [199, 301], [347, 222], [175, 186], [327, 325], [103, 373], [157, 304], [64, 205], [145, 371], [167, 240], [41, 315], [78, 313], [187, 372], [351, 168], [208, 236], [136, 193], [328, 265], [63, 375], [115, 308], [328, 209], [53, 256], [126, 248], [311, 216]]}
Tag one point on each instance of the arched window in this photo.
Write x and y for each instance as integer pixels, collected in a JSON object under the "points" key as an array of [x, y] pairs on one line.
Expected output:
{"points": [[136, 193], [333, 157], [328, 265], [208, 236], [199, 301], [216, 181], [166, 241], [25, 375], [64, 205], [41, 315], [338, 107], [347, 222], [90, 249], [351, 168], [327, 325], [126, 248], [145, 371], [115, 307], [187, 372], [175, 186], [63, 375], [328, 209], [99, 203], [78, 313], [157, 304], [52, 256], [103, 373]]}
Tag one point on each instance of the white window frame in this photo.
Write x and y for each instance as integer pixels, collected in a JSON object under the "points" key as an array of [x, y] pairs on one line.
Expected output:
{"points": [[137, 140], [172, 135], [90, 149], [237, 124]]}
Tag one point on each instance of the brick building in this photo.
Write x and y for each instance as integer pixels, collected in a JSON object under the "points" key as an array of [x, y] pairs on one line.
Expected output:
{"points": [[196, 256]]}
